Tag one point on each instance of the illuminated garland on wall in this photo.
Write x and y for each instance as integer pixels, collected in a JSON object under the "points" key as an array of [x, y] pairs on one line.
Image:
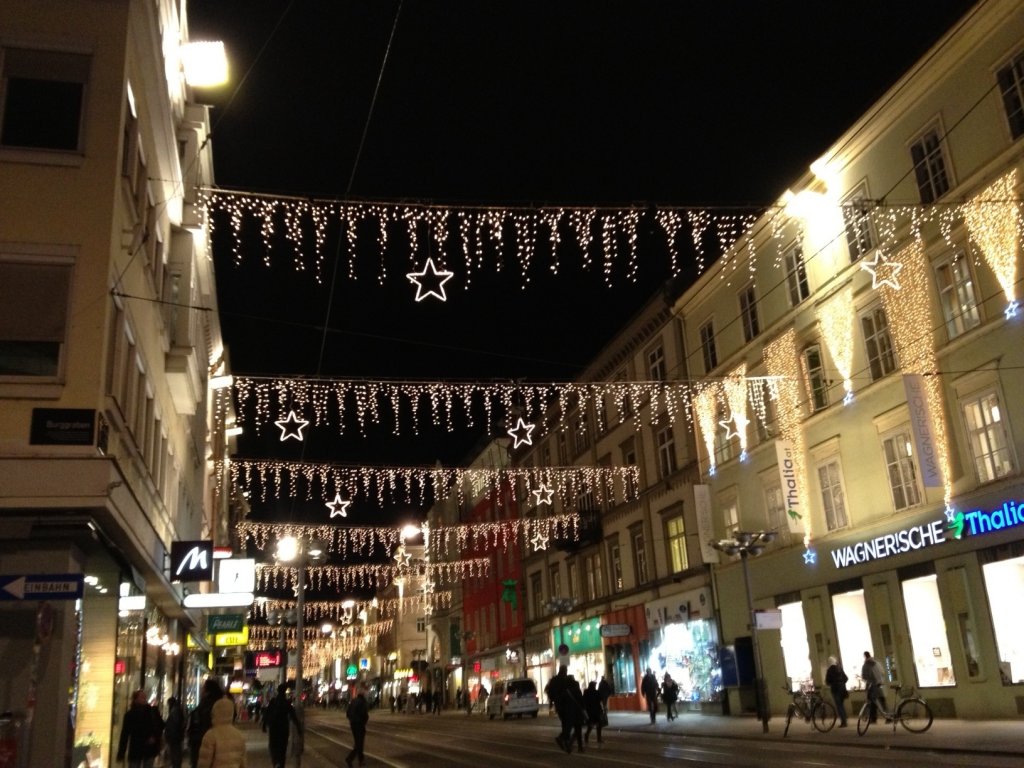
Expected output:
{"points": [[413, 485], [369, 575], [836, 321], [706, 406], [735, 386], [997, 232], [909, 314], [346, 610], [261, 635]]}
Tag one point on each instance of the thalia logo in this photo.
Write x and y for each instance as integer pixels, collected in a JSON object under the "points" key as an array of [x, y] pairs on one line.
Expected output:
{"points": [[977, 522]]}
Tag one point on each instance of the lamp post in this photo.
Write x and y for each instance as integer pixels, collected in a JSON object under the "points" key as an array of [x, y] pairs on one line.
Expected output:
{"points": [[748, 544], [300, 553]]}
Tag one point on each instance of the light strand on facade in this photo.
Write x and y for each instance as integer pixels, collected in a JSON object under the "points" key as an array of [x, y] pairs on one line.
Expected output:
{"points": [[367, 575], [996, 228], [836, 320]]}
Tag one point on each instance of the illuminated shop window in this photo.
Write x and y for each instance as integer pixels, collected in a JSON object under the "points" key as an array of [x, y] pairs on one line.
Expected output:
{"points": [[1004, 582], [796, 651], [852, 631], [928, 632]]}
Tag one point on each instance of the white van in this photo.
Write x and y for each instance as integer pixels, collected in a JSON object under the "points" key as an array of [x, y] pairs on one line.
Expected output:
{"points": [[518, 697]]}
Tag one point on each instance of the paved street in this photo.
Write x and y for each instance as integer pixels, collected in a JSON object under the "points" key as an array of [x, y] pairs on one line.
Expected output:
{"points": [[455, 739]]}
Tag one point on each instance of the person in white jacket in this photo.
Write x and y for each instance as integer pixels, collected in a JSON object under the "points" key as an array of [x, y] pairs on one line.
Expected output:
{"points": [[223, 745]]}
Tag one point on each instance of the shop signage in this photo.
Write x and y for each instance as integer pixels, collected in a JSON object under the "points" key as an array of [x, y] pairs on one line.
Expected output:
{"points": [[906, 540], [976, 522], [237, 574], [615, 630], [191, 561], [924, 432], [789, 480], [225, 622], [351, 671], [62, 426], [264, 659], [42, 586], [223, 639], [364, 662]]}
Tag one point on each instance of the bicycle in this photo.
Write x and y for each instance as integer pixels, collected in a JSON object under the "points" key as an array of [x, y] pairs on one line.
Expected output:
{"points": [[912, 712], [812, 708]]}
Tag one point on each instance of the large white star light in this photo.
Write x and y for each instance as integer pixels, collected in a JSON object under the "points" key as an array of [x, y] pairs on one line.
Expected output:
{"points": [[521, 433], [883, 271], [338, 507], [539, 541], [430, 282], [543, 494], [291, 426]]}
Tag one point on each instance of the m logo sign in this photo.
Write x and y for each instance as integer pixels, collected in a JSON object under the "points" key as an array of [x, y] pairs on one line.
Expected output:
{"points": [[192, 561]]}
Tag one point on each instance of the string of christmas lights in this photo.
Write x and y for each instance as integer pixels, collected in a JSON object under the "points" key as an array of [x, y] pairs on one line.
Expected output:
{"points": [[997, 231], [368, 575], [265, 634], [269, 478], [346, 610], [836, 321]]}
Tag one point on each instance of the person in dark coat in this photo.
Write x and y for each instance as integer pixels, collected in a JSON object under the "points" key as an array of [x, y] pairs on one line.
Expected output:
{"points": [[200, 720], [595, 711], [569, 706], [358, 715], [649, 688], [605, 689], [835, 679], [669, 694], [174, 732], [141, 732], [277, 720]]}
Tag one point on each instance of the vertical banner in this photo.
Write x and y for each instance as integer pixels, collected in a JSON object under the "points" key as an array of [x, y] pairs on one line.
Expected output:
{"points": [[921, 427], [705, 524], [789, 479]]}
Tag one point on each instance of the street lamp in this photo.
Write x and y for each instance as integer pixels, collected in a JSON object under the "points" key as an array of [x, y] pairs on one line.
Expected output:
{"points": [[300, 553], [748, 544]]}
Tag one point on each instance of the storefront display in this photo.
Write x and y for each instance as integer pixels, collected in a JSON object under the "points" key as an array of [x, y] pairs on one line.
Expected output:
{"points": [[689, 653]]}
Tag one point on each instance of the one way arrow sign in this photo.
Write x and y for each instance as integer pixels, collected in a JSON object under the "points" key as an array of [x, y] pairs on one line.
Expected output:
{"points": [[42, 586]]}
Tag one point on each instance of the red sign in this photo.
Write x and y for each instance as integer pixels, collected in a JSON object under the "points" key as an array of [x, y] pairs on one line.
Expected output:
{"points": [[119, 667], [267, 659]]}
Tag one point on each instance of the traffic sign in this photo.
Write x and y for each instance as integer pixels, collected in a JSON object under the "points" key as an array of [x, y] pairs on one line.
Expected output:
{"points": [[42, 586]]}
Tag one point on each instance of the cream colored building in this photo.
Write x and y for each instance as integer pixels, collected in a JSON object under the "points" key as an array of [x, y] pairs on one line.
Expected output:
{"points": [[887, 273], [111, 436]]}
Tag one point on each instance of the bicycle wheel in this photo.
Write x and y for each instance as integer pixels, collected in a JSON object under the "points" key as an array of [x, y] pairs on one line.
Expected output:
{"points": [[915, 715], [824, 716], [864, 720], [789, 718]]}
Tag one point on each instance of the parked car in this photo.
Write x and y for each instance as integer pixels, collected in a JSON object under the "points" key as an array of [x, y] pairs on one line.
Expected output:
{"points": [[518, 697], [494, 700]]}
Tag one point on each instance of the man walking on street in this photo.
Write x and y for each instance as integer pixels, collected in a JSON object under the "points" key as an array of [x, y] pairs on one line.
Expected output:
{"points": [[874, 679], [358, 715], [649, 688]]}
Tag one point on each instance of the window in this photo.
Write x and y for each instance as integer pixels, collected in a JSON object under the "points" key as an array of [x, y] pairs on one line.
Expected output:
{"points": [[796, 276], [42, 98], [581, 435], [628, 449], [666, 452], [987, 436], [639, 543], [859, 237], [730, 517], [881, 359], [726, 439], [748, 313], [766, 423], [707, 346], [563, 447], [832, 499], [816, 380], [1004, 583], [34, 296], [615, 565], [898, 452], [573, 571], [656, 364], [956, 294], [928, 637], [930, 166], [1011, 85], [595, 576], [421, 624], [675, 535], [555, 579], [775, 513], [624, 400]]}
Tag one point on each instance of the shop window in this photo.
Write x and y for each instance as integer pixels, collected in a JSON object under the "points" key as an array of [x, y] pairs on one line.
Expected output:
{"points": [[43, 93], [987, 436], [689, 652], [878, 343], [675, 536], [796, 652], [853, 633], [898, 452], [1004, 584], [928, 638], [34, 296], [833, 501], [620, 661], [956, 295]]}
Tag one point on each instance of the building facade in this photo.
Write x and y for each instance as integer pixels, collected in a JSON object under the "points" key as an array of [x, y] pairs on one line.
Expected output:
{"points": [[111, 438]]}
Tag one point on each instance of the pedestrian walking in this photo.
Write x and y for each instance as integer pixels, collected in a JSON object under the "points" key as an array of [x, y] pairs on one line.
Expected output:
{"points": [[277, 722], [141, 733], [223, 745], [174, 733], [358, 715], [835, 679], [571, 713], [649, 689], [874, 678], [200, 719], [670, 695], [596, 717]]}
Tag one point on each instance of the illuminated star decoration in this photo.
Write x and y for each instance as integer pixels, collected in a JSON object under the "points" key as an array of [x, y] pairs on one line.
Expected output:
{"points": [[291, 426], [543, 494], [338, 507], [434, 282], [810, 557], [521, 433], [883, 271], [539, 541], [1011, 309], [402, 557]]}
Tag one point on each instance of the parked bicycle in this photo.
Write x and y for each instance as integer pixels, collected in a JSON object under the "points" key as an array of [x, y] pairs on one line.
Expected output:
{"points": [[912, 712], [812, 708]]}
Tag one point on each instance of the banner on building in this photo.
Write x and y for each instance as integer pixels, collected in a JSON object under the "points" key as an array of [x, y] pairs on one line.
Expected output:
{"points": [[921, 427], [789, 480], [705, 522]]}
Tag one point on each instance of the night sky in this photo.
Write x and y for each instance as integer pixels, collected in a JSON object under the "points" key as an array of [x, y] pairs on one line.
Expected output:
{"points": [[555, 102]]}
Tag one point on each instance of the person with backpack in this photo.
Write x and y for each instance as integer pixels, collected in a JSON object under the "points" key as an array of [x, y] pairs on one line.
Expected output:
{"points": [[277, 720], [200, 720], [141, 733]]}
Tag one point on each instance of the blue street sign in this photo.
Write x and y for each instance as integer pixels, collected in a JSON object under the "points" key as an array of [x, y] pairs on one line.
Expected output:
{"points": [[42, 586]]}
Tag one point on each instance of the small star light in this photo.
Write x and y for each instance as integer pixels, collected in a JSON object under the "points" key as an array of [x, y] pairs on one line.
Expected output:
{"points": [[434, 282], [543, 494], [883, 271], [539, 541], [1011, 309], [291, 426], [810, 557], [521, 433], [338, 507]]}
